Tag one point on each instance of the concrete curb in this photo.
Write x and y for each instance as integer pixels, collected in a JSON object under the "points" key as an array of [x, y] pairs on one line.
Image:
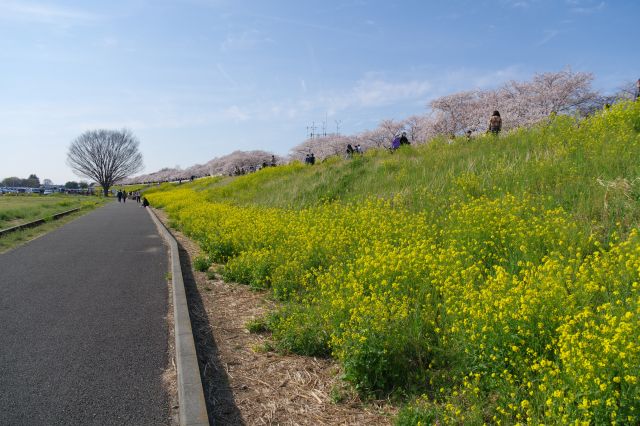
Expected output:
{"points": [[193, 409], [36, 222]]}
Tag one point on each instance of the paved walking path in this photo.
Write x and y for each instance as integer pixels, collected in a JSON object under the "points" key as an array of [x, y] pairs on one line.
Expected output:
{"points": [[83, 335]]}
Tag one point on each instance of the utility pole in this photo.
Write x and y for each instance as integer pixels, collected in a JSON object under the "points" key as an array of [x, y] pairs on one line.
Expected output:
{"points": [[338, 122], [324, 125]]}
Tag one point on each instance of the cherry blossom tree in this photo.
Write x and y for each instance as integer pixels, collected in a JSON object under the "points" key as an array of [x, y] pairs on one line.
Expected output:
{"points": [[418, 128], [519, 103], [321, 148], [240, 162]]}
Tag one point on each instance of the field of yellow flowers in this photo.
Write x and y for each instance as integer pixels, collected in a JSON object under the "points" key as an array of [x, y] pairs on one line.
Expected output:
{"points": [[491, 281]]}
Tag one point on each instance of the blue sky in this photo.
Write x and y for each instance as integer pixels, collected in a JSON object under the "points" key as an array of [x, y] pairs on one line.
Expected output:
{"points": [[196, 79]]}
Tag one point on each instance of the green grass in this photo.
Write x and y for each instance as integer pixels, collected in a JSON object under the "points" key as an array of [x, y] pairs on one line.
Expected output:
{"points": [[18, 209]]}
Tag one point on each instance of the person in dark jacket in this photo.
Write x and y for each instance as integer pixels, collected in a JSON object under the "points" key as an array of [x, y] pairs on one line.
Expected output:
{"points": [[403, 139], [495, 123], [349, 151], [119, 195]]}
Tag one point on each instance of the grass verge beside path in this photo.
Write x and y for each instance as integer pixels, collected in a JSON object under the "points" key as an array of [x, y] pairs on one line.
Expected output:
{"points": [[19, 209], [22, 209]]}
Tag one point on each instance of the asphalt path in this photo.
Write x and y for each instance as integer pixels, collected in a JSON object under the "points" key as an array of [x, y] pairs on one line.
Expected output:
{"points": [[83, 333]]}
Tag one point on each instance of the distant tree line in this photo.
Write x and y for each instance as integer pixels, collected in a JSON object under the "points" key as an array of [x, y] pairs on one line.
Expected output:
{"points": [[31, 182], [76, 185], [236, 163]]}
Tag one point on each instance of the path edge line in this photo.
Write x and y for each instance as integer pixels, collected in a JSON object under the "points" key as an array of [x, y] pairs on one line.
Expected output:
{"points": [[193, 409], [37, 222]]}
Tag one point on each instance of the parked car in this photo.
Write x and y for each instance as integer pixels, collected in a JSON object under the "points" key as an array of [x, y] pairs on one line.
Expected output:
{"points": [[47, 192]]}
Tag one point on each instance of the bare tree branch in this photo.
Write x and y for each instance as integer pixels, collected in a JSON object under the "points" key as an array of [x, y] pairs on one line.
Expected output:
{"points": [[106, 156]]}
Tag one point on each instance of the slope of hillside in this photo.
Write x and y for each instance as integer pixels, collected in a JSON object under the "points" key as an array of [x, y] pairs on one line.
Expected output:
{"points": [[497, 277]]}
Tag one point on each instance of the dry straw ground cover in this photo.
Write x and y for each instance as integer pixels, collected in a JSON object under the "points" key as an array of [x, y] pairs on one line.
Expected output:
{"points": [[485, 281], [246, 384]]}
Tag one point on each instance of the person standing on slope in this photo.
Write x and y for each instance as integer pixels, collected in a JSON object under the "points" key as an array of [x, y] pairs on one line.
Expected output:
{"points": [[495, 123], [403, 139], [395, 143]]}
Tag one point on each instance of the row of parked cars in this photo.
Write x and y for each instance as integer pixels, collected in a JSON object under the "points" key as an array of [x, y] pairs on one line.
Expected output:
{"points": [[12, 190]]}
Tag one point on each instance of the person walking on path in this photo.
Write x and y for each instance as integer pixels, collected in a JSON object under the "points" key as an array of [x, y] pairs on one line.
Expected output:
{"points": [[495, 123], [119, 196], [124, 196]]}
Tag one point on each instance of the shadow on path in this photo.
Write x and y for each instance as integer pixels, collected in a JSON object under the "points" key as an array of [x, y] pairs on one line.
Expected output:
{"points": [[217, 391]]}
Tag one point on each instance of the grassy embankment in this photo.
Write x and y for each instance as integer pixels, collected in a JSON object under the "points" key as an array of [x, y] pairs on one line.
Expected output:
{"points": [[19, 209], [494, 280]]}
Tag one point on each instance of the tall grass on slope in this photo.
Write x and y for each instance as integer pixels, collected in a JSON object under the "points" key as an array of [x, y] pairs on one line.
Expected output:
{"points": [[588, 168], [494, 280]]}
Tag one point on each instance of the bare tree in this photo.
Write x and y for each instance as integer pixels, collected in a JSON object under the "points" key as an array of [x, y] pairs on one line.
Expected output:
{"points": [[106, 156]]}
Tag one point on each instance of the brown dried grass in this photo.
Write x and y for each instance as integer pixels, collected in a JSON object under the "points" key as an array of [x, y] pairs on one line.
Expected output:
{"points": [[245, 384]]}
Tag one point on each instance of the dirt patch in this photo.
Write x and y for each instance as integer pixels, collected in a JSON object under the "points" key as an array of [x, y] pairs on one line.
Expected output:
{"points": [[246, 385]]}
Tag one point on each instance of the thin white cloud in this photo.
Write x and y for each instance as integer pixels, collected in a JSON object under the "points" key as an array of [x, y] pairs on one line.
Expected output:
{"points": [[244, 41], [226, 75], [374, 91], [235, 113], [585, 7], [43, 13], [548, 36], [310, 25], [520, 4], [110, 42]]}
